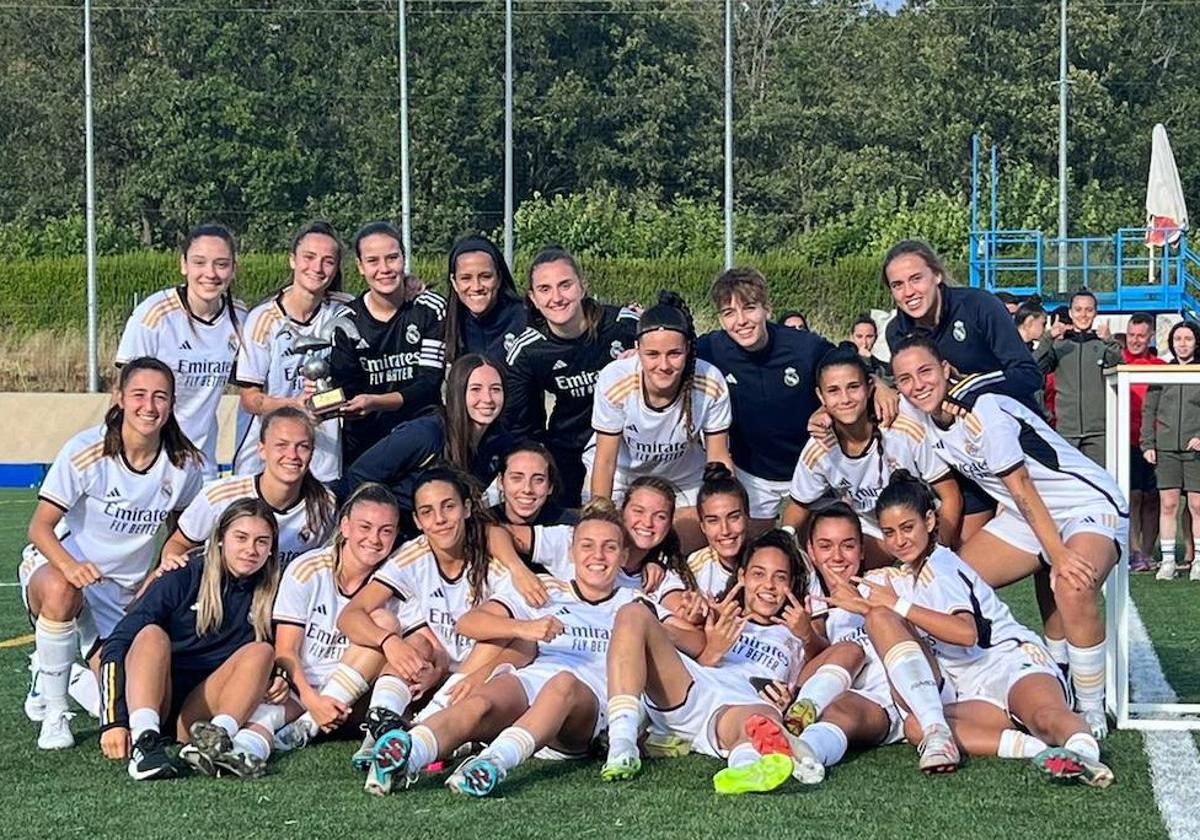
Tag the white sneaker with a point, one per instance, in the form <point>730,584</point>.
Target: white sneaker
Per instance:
<point>84,689</point>
<point>1166,570</point>
<point>296,734</point>
<point>1194,574</point>
<point>56,732</point>
<point>1097,722</point>
<point>35,703</point>
<point>938,751</point>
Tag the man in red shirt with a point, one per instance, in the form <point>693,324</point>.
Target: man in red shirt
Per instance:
<point>1143,490</point>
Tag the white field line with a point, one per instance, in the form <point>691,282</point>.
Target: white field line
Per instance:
<point>1174,760</point>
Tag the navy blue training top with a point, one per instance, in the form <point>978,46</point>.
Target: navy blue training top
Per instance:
<point>773,392</point>
<point>979,338</point>
<point>170,603</point>
<point>495,332</point>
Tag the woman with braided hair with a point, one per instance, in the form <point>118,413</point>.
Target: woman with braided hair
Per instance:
<point>661,411</point>
<point>863,457</point>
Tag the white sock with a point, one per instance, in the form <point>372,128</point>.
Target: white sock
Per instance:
<point>57,650</point>
<point>825,686</point>
<point>227,723</point>
<point>250,742</point>
<point>1195,548</point>
<point>743,755</point>
<point>391,693</point>
<point>511,747</point>
<point>143,720</point>
<point>424,748</point>
<point>913,680</point>
<point>1168,552</point>
<point>1058,651</point>
<point>827,740</point>
<point>1087,675</point>
<point>1085,745</point>
<point>1016,744</point>
<point>624,720</point>
<point>345,685</point>
<point>439,701</point>
<point>84,689</point>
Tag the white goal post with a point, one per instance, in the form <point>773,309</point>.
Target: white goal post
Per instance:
<point>1128,714</point>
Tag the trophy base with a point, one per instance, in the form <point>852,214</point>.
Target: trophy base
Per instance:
<point>326,402</point>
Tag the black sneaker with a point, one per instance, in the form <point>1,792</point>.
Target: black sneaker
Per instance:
<point>150,759</point>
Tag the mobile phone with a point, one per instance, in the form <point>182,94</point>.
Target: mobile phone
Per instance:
<point>760,683</point>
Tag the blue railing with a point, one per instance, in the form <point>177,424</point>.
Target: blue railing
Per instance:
<point>1118,269</point>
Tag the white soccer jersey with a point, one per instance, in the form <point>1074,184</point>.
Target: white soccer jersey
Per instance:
<point>429,599</point>
<point>551,550</point>
<point>764,650</point>
<point>949,585</point>
<point>712,578</point>
<point>296,537</point>
<point>113,512</point>
<point>825,467</point>
<point>654,441</point>
<point>1000,434</point>
<point>265,360</point>
<point>201,354</point>
<point>309,598</point>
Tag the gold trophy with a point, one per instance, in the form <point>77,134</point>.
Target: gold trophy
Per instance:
<point>327,397</point>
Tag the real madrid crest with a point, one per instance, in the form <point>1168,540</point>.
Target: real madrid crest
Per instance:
<point>959,331</point>
<point>616,349</point>
<point>790,377</point>
<point>509,341</point>
<point>412,335</point>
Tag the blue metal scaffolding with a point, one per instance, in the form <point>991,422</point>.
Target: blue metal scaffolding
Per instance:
<point>1116,268</point>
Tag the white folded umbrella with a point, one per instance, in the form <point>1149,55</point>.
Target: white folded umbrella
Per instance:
<point>1166,212</point>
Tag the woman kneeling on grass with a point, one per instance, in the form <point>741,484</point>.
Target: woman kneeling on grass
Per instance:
<point>194,652</point>
<point>1003,674</point>
<point>759,631</point>
<point>557,701</point>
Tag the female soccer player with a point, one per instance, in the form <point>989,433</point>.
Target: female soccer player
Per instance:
<point>304,509</point>
<point>195,329</point>
<point>267,369</point>
<point>194,654</point>
<point>558,700</point>
<point>661,412</point>
<point>1002,673</point>
<point>1054,502</point>
<point>1171,442</point>
<point>529,481</point>
<point>485,313</point>
<point>759,631</point>
<point>399,373</point>
<point>858,463</point>
<point>865,333</point>
<point>327,678</point>
<point>92,535</point>
<point>569,339</point>
<point>465,435</point>
<point>436,578</point>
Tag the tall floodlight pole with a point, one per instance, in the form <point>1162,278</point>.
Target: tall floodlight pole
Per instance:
<point>90,204</point>
<point>405,196</point>
<point>1062,147</point>
<point>508,132</point>
<point>728,134</point>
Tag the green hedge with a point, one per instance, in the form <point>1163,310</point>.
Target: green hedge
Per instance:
<point>52,293</point>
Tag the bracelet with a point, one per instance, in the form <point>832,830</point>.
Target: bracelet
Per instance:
<point>383,641</point>
<point>901,607</point>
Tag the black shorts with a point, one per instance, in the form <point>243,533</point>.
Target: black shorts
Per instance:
<point>183,682</point>
<point>975,500</point>
<point>1141,472</point>
<point>571,475</point>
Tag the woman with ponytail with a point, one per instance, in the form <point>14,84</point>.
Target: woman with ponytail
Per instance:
<point>660,412</point>
<point>193,658</point>
<point>857,463</point>
<point>196,330</point>
<point>485,312</point>
<point>303,507</point>
<point>92,535</point>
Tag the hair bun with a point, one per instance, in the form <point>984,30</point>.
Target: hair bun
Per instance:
<point>716,471</point>
<point>598,506</point>
<point>902,476</point>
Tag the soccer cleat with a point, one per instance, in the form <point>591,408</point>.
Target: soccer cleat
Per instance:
<point>664,745</point>
<point>768,773</point>
<point>1166,570</point>
<point>211,742</point>
<point>1068,767</point>
<point>1097,721</point>
<point>197,760</point>
<point>295,735</point>
<point>800,715</point>
<point>389,757</point>
<point>56,731</point>
<point>476,776</point>
<point>621,769</point>
<point>149,759</point>
<point>35,703</point>
<point>240,764</point>
<point>1140,562</point>
<point>938,751</point>
<point>768,737</point>
<point>378,721</point>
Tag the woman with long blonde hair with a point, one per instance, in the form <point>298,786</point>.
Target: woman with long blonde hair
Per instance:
<point>195,652</point>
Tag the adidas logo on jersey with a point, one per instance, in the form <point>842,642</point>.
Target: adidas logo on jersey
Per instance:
<point>320,610</point>
<point>563,611</point>
<point>187,345</point>
<point>439,593</point>
<point>731,379</point>
<point>113,493</point>
<point>559,365</point>
<point>631,428</point>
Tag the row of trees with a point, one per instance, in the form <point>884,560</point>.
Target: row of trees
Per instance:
<point>853,124</point>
